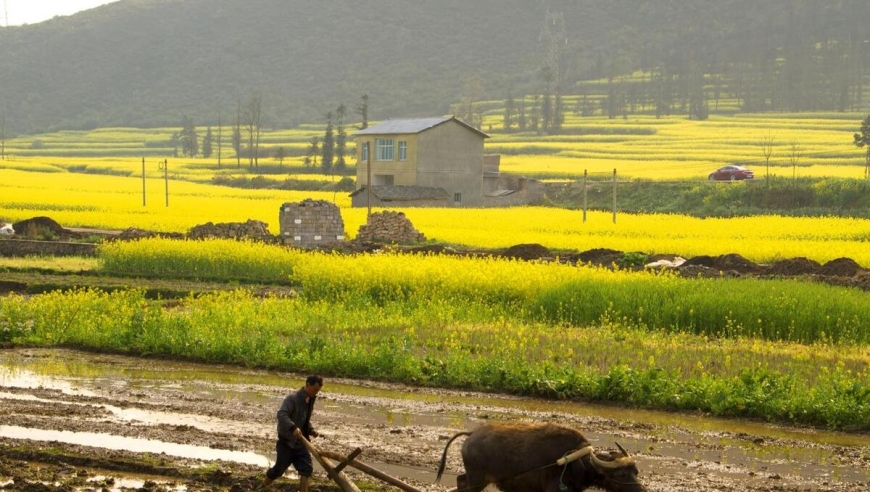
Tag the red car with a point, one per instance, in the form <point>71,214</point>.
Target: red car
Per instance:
<point>731,173</point>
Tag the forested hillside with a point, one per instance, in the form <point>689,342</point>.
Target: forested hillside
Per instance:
<point>151,62</point>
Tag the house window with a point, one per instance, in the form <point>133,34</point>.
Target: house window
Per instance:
<point>457,198</point>
<point>403,150</point>
<point>365,152</point>
<point>385,149</point>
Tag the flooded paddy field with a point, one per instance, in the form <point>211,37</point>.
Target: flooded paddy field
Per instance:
<point>76,421</point>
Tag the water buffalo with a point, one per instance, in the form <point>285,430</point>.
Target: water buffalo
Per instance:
<point>526,457</point>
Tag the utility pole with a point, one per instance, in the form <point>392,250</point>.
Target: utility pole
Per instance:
<point>369,182</point>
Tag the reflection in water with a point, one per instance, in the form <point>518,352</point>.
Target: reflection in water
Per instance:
<point>121,443</point>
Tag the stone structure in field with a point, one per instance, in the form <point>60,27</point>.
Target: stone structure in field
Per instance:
<point>389,227</point>
<point>311,223</point>
<point>252,229</point>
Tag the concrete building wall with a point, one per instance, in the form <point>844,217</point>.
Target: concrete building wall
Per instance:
<point>450,156</point>
<point>404,172</point>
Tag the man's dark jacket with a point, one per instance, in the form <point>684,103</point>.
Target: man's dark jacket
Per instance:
<point>295,412</point>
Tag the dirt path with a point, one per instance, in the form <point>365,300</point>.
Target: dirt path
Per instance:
<point>77,421</point>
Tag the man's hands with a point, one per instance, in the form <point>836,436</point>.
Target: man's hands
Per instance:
<point>297,433</point>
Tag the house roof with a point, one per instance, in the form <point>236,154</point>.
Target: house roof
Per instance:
<point>412,125</point>
<point>405,193</point>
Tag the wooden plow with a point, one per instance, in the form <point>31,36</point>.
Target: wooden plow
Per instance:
<point>334,470</point>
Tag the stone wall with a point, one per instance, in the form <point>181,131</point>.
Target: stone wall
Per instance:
<point>252,229</point>
<point>389,227</point>
<point>27,247</point>
<point>311,223</point>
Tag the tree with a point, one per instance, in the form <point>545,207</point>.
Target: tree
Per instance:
<point>362,109</point>
<point>253,115</point>
<point>340,139</point>
<point>794,156</point>
<point>328,147</point>
<point>237,134</point>
<point>467,110</point>
<point>312,152</point>
<point>863,140</point>
<point>767,150</point>
<point>280,155</point>
<point>535,114</point>
<point>187,138</point>
<point>521,115</point>
<point>207,143</point>
<point>558,113</point>
<point>509,113</point>
<point>2,135</point>
<point>219,139</point>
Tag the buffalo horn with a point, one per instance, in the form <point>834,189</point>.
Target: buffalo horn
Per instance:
<point>609,464</point>
<point>623,450</point>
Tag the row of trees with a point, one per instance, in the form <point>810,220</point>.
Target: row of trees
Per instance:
<point>332,149</point>
<point>247,129</point>
<point>801,65</point>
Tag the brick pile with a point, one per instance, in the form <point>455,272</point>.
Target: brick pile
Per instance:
<point>311,223</point>
<point>252,229</point>
<point>389,227</point>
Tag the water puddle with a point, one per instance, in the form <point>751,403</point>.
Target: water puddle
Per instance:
<point>724,447</point>
<point>120,443</point>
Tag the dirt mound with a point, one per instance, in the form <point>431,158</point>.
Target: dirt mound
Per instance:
<point>526,252</point>
<point>728,262</point>
<point>34,225</point>
<point>598,256</point>
<point>737,263</point>
<point>795,266</point>
<point>841,267</point>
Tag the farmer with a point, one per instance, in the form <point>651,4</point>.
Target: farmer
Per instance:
<point>294,424</point>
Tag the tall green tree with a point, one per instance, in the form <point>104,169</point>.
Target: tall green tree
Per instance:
<point>2,134</point>
<point>253,115</point>
<point>237,134</point>
<point>207,143</point>
<point>219,132</point>
<point>362,109</point>
<point>312,152</point>
<point>862,139</point>
<point>328,147</point>
<point>340,139</point>
<point>509,113</point>
<point>521,115</point>
<point>280,155</point>
<point>767,151</point>
<point>188,138</point>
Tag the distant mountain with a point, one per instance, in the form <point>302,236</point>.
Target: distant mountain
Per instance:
<point>150,62</point>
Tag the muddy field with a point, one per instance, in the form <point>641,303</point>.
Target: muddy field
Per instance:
<point>79,421</point>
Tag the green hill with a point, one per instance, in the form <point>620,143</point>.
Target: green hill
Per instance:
<point>149,62</point>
